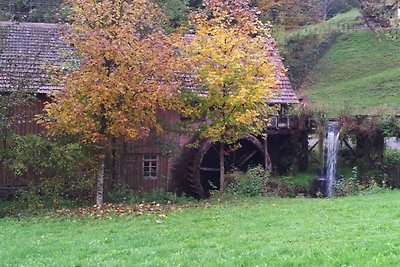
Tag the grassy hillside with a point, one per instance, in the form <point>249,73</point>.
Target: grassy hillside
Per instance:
<point>360,73</point>
<point>354,231</point>
<point>304,47</point>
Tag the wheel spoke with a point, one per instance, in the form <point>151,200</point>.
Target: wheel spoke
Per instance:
<point>245,158</point>
<point>209,169</point>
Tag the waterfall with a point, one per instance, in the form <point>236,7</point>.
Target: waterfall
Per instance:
<point>331,147</point>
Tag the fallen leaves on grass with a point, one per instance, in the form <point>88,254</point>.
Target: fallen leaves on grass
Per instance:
<point>109,210</point>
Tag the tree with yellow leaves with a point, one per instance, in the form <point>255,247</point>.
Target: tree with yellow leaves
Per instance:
<point>127,73</point>
<point>230,56</point>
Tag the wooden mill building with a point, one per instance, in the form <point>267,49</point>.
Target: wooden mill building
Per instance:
<point>27,50</point>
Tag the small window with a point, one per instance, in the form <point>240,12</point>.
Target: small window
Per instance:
<point>150,166</point>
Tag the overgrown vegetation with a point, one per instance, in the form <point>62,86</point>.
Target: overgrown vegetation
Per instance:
<point>299,184</point>
<point>122,194</point>
<point>251,183</point>
<point>59,169</point>
<point>33,10</point>
<point>392,167</point>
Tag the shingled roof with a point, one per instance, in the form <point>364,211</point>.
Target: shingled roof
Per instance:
<point>27,50</point>
<point>284,93</point>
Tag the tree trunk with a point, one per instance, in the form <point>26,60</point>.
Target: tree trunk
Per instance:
<point>222,169</point>
<point>100,181</point>
<point>267,163</point>
<point>113,162</point>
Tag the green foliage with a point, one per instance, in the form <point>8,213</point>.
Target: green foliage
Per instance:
<point>123,194</point>
<point>390,126</point>
<point>347,186</point>
<point>31,10</point>
<point>176,11</point>
<point>392,156</point>
<point>392,167</point>
<point>162,197</point>
<point>350,185</point>
<point>251,183</point>
<point>290,186</point>
<point>120,193</point>
<point>21,99</point>
<point>36,200</point>
<point>63,169</point>
<point>303,48</point>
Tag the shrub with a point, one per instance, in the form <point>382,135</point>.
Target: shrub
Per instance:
<point>392,167</point>
<point>350,185</point>
<point>251,183</point>
<point>347,185</point>
<point>120,193</point>
<point>60,169</point>
<point>290,186</point>
<point>162,197</point>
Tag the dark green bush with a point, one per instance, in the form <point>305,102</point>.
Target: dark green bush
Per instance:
<point>54,169</point>
<point>251,183</point>
<point>120,193</point>
<point>392,167</point>
<point>290,186</point>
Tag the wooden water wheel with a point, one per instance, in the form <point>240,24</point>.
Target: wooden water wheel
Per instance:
<point>197,171</point>
<point>206,169</point>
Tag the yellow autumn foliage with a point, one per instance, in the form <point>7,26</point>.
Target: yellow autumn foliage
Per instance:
<point>127,72</point>
<point>230,55</point>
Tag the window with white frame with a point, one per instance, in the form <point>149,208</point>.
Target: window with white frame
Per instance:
<point>150,166</point>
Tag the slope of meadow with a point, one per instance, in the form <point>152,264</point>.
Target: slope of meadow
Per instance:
<point>360,74</point>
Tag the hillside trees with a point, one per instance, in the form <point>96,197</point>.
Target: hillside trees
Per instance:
<point>127,74</point>
<point>291,13</point>
<point>378,13</point>
<point>176,11</point>
<point>229,53</point>
<point>294,13</point>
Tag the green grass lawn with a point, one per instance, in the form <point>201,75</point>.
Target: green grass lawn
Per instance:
<point>353,231</point>
<point>360,72</point>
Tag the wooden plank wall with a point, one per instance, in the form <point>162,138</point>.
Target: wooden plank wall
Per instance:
<point>129,157</point>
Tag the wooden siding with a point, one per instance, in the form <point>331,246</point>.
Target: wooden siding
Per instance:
<point>129,157</point>
<point>134,179</point>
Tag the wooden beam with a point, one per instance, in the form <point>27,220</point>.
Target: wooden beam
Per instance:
<point>267,159</point>
<point>316,143</point>
<point>246,158</point>
<point>315,160</point>
<point>348,145</point>
<point>209,169</point>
